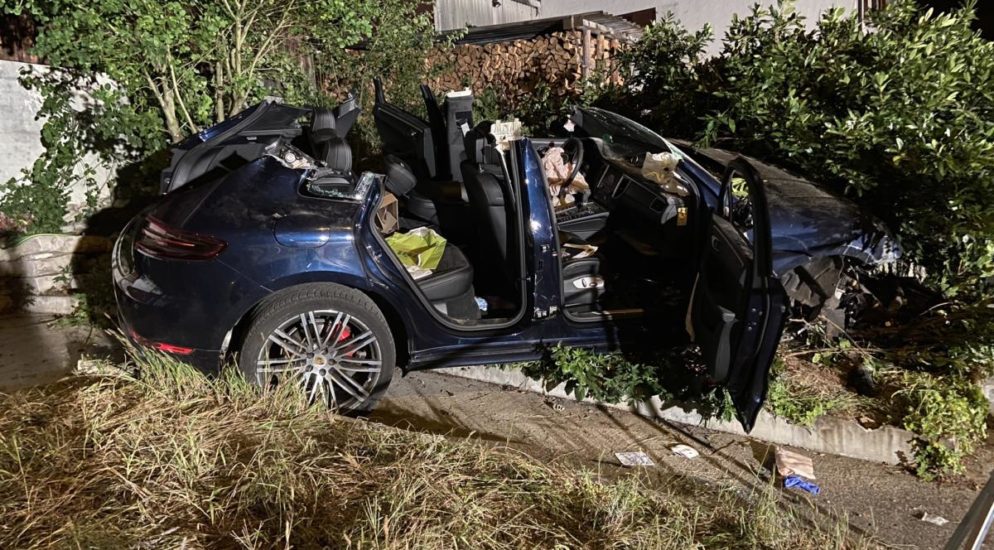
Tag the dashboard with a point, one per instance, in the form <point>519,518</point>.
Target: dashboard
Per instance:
<point>628,204</point>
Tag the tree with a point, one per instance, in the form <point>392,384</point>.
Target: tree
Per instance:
<point>157,70</point>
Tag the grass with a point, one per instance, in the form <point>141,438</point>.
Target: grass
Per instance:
<point>802,392</point>
<point>172,459</point>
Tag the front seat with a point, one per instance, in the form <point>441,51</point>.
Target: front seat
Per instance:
<point>489,199</point>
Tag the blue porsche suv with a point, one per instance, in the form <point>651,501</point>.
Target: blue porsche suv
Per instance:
<point>266,250</point>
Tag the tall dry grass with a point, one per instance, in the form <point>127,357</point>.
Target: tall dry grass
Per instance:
<point>172,459</point>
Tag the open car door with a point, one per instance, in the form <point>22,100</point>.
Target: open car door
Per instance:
<point>405,135</point>
<point>738,306</point>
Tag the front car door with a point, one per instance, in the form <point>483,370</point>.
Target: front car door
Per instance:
<point>738,306</point>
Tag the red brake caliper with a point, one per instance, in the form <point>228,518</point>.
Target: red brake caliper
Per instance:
<point>346,333</point>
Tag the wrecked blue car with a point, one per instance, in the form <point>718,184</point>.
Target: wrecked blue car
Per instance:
<point>473,244</point>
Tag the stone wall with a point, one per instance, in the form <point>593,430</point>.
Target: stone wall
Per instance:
<point>43,273</point>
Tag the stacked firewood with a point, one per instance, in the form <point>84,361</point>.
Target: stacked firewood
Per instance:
<point>514,69</point>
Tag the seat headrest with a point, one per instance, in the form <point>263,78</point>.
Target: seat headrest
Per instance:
<point>324,126</point>
<point>338,154</point>
<point>476,139</point>
<point>334,123</point>
<point>400,178</point>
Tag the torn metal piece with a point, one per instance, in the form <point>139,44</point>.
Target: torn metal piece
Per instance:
<point>290,156</point>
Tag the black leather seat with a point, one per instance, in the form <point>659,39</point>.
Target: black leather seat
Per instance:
<point>450,287</point>
<point>402,182</point>
<point>327,133</point>
<point>583,282</point>
<point>491,202</point>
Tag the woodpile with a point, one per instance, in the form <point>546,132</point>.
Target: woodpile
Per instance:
<point>515,69</point>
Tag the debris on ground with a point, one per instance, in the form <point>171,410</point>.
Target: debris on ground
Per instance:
<point>555,404</point>
<point>933,519</point>
<point>685,451</point>
<point>790,463</point>
<point>798,482</point>
<point>797,471</point>
<point>631,460</point>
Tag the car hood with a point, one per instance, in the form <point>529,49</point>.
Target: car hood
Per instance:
<point>807,220</point>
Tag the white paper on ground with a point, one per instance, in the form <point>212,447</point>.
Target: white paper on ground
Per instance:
<point>631,460</point>
<point>685,451</point>
<point>934,520</point>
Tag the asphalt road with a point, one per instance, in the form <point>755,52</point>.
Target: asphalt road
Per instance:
<point>881,501</point>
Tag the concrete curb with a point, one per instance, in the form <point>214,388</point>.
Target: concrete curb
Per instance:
<point>829,435</point>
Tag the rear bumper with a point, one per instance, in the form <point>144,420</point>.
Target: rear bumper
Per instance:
<point>206,360</point>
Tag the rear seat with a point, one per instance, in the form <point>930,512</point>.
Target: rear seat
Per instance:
<point>450,286</point>
<point>402,182</point>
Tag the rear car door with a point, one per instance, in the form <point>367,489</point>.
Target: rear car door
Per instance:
<point>738,306</point>
<point>405,135</point>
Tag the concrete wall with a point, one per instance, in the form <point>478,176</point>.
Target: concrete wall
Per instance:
<point>694,14</point>
<point>20,128</point>
<point>20,133</point>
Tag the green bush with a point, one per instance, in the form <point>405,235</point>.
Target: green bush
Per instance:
<point>185,65</point>
<point>662,78</point>
<point>615,378</point>
<point>949,415</point>
<point>899,115</point>
<point>608,378</point>
<point>896,113</point>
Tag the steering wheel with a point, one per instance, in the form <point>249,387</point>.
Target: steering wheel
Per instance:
<point>736,209</point>
<point>577,160</point>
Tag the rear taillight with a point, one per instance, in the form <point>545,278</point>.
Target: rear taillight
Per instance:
<point>159,240</point>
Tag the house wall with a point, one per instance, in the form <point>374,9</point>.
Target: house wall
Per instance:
<point>20,133</point>
<point>20,130</point>
<point>694,14</point>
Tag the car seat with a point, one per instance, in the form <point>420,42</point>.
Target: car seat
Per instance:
<point>328,130</point>
<point>449,288</point>
<point>401,181</point>
<point>491,203</point>
<point>583,282</point>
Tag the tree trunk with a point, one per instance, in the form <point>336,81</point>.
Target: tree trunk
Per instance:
<point>219,112</point>
<point>172,121</point>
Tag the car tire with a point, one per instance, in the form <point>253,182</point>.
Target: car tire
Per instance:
<point>331,340</point>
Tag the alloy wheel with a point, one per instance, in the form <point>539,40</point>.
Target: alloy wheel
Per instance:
<point>334,358</point>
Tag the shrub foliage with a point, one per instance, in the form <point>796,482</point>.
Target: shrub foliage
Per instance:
<point>896,112</point>
<point>158,71</point>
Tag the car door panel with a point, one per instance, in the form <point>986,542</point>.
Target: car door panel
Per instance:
<point>404,135</point>
<point>720,286</point>
<point>738,306</point>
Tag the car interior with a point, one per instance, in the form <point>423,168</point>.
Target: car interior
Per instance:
<point>625,243</point>
<point>624,240</point>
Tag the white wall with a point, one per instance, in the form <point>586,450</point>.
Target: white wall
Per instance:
<point>694,14</point>
<point>20,133</point>
<point>20,129</point>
